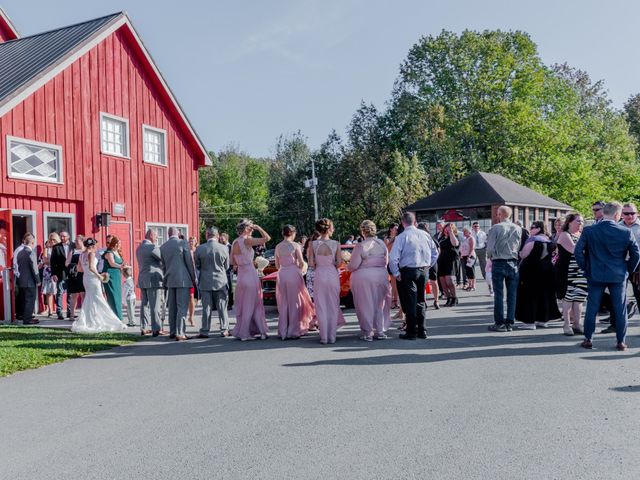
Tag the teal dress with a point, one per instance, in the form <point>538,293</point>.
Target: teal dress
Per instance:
<point>113,288</point>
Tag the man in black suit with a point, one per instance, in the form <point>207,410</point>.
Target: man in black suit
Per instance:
<point>59,271</point>
<point>28,279</point>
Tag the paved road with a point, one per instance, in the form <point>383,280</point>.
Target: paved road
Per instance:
<point>465,404</point>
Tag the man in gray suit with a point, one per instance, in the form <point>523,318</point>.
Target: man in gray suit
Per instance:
<point>212,261</point>
<point>28,279</point>
<point>179,277</point>
<point>150,278</point>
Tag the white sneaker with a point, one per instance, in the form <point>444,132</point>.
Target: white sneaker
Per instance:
<point>542,324</point>
<point>526,326</point>
<point>367,338</point>
<point>381,336</point>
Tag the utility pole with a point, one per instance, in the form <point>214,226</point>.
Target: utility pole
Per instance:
<point>312,185</point>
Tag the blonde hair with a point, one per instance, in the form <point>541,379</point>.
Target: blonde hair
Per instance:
<point>368,228</point>
<point>505,210</point>
<point>55,237</point>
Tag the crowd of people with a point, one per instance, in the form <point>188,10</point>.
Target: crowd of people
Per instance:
<point>531,270</point>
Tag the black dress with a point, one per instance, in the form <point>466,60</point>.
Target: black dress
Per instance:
<point>74,278</point>
<point>448,261</point>
<point>536,298</point>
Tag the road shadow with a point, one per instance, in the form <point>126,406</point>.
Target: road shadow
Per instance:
<point>628,388</point>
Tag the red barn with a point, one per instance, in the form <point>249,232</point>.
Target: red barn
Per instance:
<point>88,126</point>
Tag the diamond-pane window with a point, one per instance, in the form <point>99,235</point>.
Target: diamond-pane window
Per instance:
<point>153,148</point>
<point>114,135</point>
<point>34,160</point>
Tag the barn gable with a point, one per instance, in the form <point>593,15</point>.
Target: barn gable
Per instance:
<point>26,65</point>
<point>7,30</point>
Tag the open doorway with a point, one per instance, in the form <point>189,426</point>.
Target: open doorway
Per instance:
<point>22,221</point>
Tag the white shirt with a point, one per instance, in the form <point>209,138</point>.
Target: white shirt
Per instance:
<point>128,290</point>
<point>16,273</point>
<point>413,248</point>
<point>480,237</point>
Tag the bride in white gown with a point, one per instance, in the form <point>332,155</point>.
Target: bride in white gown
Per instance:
<point>96,316</point>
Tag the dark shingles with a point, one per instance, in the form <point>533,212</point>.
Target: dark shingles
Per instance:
<point>481,189</point>
<point>25,59</point>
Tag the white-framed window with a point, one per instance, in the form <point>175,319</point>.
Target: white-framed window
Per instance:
<point>59,222</point>
<point>154,145</point>
<point>30,160</point>
<point>162,229</point>
<point>114,135</point>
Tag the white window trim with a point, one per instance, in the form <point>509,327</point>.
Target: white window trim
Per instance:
<point>164,147</point>
<point>72,216</point>
<point>127,135</point>
<point>149,225</point>
<point>17,176</point>
<point>34,222</point>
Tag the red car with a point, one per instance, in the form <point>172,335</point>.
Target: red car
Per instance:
<point>346,298</point>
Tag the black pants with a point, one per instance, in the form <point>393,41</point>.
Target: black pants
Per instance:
<point>230,288</point>
<point>411,291</point>
<point>27,300</point>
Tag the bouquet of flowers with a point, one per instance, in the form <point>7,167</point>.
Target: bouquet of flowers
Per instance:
<point>346,256</point>
<point>104,277</point>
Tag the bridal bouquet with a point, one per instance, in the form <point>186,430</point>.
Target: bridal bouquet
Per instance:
<point>104,277</point>
<point>346,256</point>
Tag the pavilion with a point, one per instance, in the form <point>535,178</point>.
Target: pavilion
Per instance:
<point>477,198</point>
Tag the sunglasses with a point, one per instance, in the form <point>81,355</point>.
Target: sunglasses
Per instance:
<point>596,209</point>
<point>629,213</point>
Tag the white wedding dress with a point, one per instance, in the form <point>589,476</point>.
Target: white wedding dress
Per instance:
<point>96,316</point>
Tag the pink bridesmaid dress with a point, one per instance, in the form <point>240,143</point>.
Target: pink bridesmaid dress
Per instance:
<point>326,292</point>
<point>295,307</point>
<point>371,289</point>
<point>248,304</point>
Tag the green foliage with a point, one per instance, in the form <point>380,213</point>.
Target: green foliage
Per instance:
<point>486,102</point>
<point>233,188</point>
<point>462,103</point>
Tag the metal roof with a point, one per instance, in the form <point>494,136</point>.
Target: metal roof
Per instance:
<point>483,189</point>
<point>26,58</point>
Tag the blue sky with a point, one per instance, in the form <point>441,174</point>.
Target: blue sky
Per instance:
<point>248,71</point>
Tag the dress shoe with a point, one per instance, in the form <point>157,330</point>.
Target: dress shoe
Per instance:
<point>33,321</point>
<point>181,338</point>
<point>173,336</point>
<point>202,335</point>
<point>609,329</point>
<point>621,346</point>
<point>449,302</point>
<point>405,336</point>
<point>436,305</point>
<point>422,335</point>
<point>60,317</point>
<point>587,344</point>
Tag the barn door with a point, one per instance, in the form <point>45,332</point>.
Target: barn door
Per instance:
<point>6,248</point>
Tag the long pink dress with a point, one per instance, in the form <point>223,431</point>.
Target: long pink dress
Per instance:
<point>295,307</point>
<point>326,292</point>
<point>248,304</point>
<point>371,288</point>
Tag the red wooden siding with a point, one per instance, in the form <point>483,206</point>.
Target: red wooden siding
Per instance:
<point>113,79</point>
<point>5,33</point>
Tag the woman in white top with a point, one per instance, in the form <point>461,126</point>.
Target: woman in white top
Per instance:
<point>467,252</point>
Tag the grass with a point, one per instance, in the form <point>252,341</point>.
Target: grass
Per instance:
<point>22,348</point>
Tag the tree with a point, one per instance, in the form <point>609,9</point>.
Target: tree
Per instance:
<point>632,115</point>
<point>484,101</point>
<point>233,188</point>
